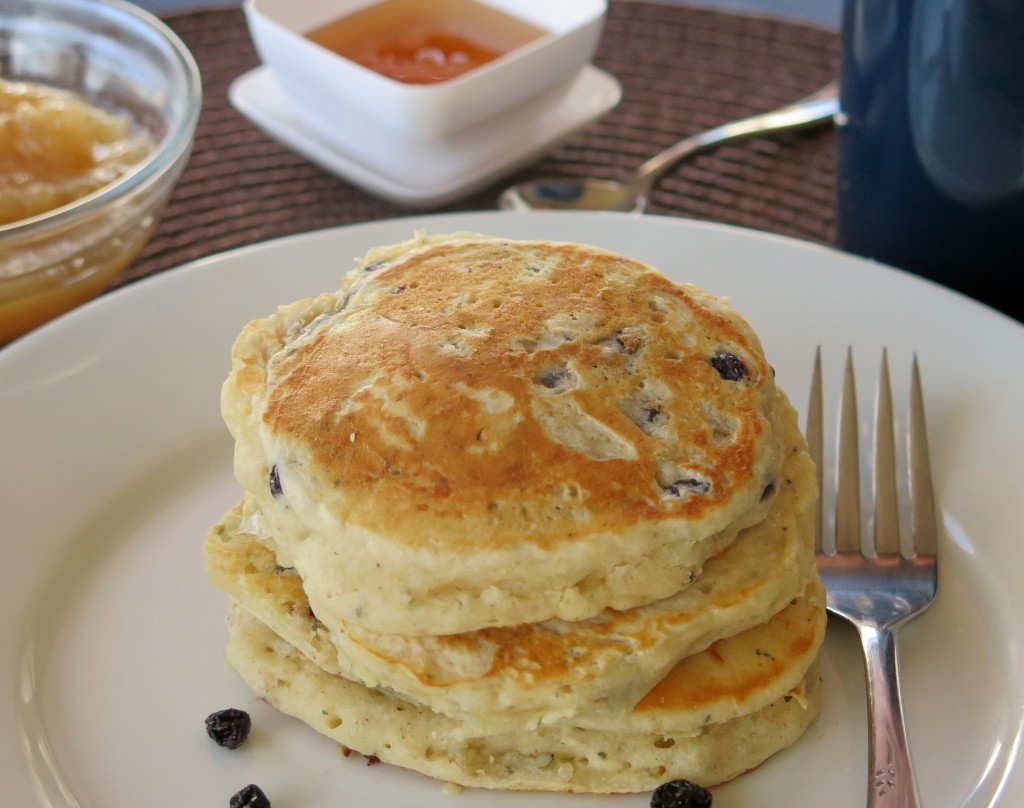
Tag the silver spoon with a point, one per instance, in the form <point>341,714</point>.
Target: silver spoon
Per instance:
<point>582,193</point>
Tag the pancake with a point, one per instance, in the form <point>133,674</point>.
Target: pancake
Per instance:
<point>736,676</point>
<point>561,757</point>
<point>536,673</point>
<point>475,432</point>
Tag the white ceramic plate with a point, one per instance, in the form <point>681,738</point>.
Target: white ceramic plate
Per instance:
<point>115,462</point>
<point>427,173</point>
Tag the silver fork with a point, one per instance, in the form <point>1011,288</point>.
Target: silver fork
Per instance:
<point>870,581</point>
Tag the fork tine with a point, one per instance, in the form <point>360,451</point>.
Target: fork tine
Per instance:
<point>922,496</point>
<point>814,443</point>
<point>887,521</point>
<point>848,483</point>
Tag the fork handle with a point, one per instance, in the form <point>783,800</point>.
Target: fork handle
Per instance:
<point>891,779</point>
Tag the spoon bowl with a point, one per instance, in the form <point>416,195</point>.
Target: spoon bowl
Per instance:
<point>590,193</point>
<point>570,193</point>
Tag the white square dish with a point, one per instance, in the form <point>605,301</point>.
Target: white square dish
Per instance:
<point>431,173</point>
<point>332,92</point>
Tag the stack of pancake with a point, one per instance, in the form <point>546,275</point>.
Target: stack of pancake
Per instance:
<point>521,515</point>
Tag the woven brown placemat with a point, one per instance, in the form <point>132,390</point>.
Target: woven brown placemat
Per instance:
<point>682,69</point>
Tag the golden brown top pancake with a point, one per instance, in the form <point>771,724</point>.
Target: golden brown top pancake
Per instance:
<point>476,414</point>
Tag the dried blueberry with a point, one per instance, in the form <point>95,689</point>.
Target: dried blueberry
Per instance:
<point>555,378</point>
<point>251,796</point>
<point>229,727</point>
<point>654,412</point>
<point>275,482</point>
<point>680,794</point>
<point>697,485</point>
<point>729,366</point>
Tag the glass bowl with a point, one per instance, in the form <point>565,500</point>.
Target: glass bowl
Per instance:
<point>121,58</point>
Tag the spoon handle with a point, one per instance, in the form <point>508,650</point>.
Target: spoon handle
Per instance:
<point>819,107</point>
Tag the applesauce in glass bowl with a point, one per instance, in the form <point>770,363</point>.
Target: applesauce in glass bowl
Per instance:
<point>99,163</point>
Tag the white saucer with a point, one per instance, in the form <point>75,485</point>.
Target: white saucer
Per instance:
<point>427,173</point>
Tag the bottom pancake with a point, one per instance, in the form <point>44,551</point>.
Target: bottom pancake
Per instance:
<point>560,757</point>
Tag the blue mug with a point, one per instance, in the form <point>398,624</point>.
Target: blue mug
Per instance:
<point>931,142</point>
